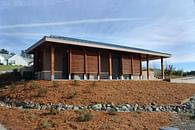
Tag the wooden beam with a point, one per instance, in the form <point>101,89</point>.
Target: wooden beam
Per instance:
<point>162,68</point>
<point>99,62</point>
<point>52,62</point>
<point>85,64</point>
<point>69,63</point>
<point>121,64</point>
<point>148,68</point>
<point>110,65</point>
<point>140,65</point>
<point>132,68</point>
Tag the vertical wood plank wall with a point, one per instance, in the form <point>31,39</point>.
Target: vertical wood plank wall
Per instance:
<point>84,61</point>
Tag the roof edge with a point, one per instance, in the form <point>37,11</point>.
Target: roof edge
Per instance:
<point>87,43</point>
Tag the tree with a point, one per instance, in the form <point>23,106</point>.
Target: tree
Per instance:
<point>4,51</point>
<point>23,53</point>
<point>12,53</point>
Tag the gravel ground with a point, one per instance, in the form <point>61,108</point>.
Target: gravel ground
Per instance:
<point>184,80</point>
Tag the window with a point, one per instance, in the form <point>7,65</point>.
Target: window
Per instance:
<point>13,62</point>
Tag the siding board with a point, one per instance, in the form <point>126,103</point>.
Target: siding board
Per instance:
<point>92,62</point>
<point>126,64</point>
<point>77,61</point>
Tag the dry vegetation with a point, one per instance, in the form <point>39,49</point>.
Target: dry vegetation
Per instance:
<point>89,92</point>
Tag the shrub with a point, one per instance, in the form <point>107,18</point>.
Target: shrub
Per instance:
<point>42,92</point>
<point>75,83</point>
<point>34,85</point>
<point>71,94</point>
<point>84,116</point>
<point>55,84</point>
<point>45,124</point>
<point>53,111</point>
<point>93,83</point>
<point>13,87</point>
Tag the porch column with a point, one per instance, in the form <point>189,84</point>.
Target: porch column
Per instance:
<point>69,63</point>
<point>148,68</point>
<point>85,65</point>
<point>99,65</point>
<point>132,67</point>
<point>121,63</point>
<point>162,68</point>
<point>52,62</point>
<point>110,65</point>
<point>140,67</point>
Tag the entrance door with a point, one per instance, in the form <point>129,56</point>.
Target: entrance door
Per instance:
<point>115,66</point>
<point>65,65</point>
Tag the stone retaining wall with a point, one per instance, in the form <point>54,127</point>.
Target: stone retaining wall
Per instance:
<point>187,107</point>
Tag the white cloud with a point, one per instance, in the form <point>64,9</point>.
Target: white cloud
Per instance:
<point>85,21</point>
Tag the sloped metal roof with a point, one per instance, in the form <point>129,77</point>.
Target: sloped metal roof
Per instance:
<point>102,45</point>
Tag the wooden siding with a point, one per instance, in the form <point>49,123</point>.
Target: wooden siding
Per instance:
<point>92,62</point>
<point>77,63</point>
<point>126,64</point>
<point>136,64</point>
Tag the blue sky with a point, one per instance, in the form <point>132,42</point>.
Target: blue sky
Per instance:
<point>161,25</point>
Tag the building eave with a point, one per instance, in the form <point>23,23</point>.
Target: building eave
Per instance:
<point>86,43</point>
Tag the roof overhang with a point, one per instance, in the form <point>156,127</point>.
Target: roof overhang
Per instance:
<point>95,45</point>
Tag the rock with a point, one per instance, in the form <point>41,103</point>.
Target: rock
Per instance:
<point>75,108</point>
<point>168,128</point>
<point>97,107</point>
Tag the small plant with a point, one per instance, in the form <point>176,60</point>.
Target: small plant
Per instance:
<point>55,84</point>
<point>42,92</point>
<point>84,116</point>
<point>33,117</point>
<point>112,112</point>
<point>13,87</point>
<point>71,94</point>
<point>45,124</point>
<point>105,126</point>
<point>75,83</point>
<point>34,85</point>
<point>53,111</point>
<point>93,84</point>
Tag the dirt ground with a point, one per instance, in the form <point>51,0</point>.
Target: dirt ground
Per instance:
<point>90,92</point>
<point>16,119</point>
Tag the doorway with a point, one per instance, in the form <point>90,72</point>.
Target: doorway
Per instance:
<point>65,64</point>
<point>115,66</point>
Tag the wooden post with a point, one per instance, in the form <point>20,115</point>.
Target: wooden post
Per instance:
<point>99,65</point>
<point>110,65</point>
<point>52,62</point>
<point>85,65</point>
<point>132,68</point>
<point>121,67</point>
<point>148,68</point>
<point>162,68</point>
<point>140,67</point>
<point>69,63</point>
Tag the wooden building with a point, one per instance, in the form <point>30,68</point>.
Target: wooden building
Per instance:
<point>68,58</point>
